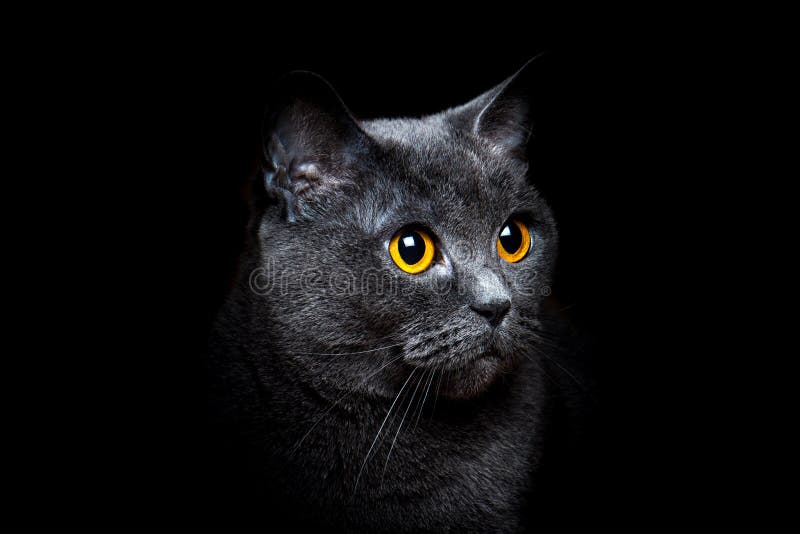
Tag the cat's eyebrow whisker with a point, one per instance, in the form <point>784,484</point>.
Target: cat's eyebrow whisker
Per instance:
<point>337,401</point>
<point>360,472</point>
<point>400,426</point>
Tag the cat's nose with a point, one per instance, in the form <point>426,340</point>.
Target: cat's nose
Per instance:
<point>489,297</point>
<point>493,310</point>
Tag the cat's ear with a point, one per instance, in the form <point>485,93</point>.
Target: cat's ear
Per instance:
<point>309,137</point>
<point>502,115</point>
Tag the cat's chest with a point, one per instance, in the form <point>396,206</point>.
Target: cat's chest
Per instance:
<point>431,465</point>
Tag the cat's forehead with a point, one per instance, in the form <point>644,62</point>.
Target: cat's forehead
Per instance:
<point>447,172</point>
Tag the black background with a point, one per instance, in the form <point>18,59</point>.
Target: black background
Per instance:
<point>167,106</point>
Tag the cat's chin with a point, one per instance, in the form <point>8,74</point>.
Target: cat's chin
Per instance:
<point>474,377</point>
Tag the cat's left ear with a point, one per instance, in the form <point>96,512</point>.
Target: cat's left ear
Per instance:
<point>310,140</point>
<point>502,115</point>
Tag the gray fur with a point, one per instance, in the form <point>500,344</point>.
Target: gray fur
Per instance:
<point>284,357</point>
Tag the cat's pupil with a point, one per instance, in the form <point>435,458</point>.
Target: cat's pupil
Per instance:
<point>411,247</point>
<point>511,238</point>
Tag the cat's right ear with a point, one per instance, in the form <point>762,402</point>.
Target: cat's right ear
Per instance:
<point>309,137</point>
<point>502,115</point>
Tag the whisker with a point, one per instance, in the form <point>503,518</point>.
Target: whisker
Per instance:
<point>391,422</point>
<point>567,372</point>
<point>438,387</point>
<point>550,344</point>
<point>543,336</point>
<point>346,353</point>
<point>447,381</point>
<point>425,378</point>
<point>358,478</point>
<point>337,401</point>
<point>400,427</point>
<point>541,368</point>
<point>427,389</point>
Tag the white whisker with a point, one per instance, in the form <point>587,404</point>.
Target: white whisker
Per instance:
<point>358,478</point>
<point>438,387</point>
<point>347,353</point>
<point>332,406</point>
<point>427,389</point>
<point>569,374</point>
<point>400,426</point>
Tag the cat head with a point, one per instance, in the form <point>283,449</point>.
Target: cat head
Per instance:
<point>396,247</point>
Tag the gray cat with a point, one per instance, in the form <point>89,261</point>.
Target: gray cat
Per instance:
<point>382,359</point>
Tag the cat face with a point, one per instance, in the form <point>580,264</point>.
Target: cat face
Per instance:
<point>400,247</point>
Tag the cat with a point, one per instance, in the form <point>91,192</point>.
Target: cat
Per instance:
<point>382,362</point>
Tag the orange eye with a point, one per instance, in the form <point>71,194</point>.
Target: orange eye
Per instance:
<point>412,250</point>
<point>514,241</point>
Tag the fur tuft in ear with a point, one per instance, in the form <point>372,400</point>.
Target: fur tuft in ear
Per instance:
<point>502,115</point>
<point>309,140</point>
